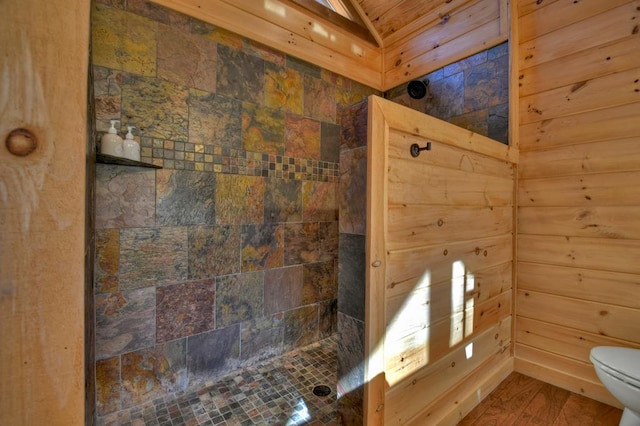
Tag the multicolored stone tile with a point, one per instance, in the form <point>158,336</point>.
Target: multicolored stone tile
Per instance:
<point>476,121</point>
<point>350,369</point>
<point>240,75</point>
<point>107,95</point>
<point>302,137</point>
<point>125,197</point>
<point>263,129</point>
<point>239,298</point>
<point>282,289</point>
<point>185,197</point>
<point>123,41</point>
<point>107,385</point>
<point>184,309</point>
<point>159,13</point>
<point>446,97</point>
<point>154,372</point>
<point>318,282</point>
<point>262,51</point>
<point>330,142</point>
<point>157,108</point>
<point>262,247</point>
<point>353,124</point>
<point>214,251</point>
<point>214,120</point>
<point>327,318</point>
<point>300,327</point>
<point>319,99</point>
<point>239,199</point>
<point>107,260</point>
<point>217,34</point>
<point>125,321</point>
<point>283,89</point>
<point>213,353</point>
<point>482,87</point>
<point>466,63</point>
<point>351,276</point>
<point>283,201</point>
<point>262,338</point>
<point>303,67</point>
<point>319,202</point>
<point>186,59</point>
<point>152,256</point>
<point>498,123</point>
<point>352,201</point>
<point>310,242</point>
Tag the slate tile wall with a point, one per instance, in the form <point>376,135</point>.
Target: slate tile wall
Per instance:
<point>472,93</point>
<point>227,255</point>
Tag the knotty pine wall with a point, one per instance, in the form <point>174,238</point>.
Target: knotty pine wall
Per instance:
<point>579,187</point>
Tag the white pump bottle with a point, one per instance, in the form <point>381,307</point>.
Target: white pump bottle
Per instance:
<point>131,147</point>
<point>111,143</point>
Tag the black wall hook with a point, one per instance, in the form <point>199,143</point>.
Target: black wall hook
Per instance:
<point>415,149</point>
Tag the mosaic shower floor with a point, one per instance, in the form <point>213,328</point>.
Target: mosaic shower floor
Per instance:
<point>277,392</point>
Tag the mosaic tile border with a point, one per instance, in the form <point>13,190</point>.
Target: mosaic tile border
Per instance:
<point>209,158</point>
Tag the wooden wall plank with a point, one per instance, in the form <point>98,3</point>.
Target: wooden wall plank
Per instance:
<point>431,57</point>
<point>615,288</point>
<point>605,124</point>
<point>474,15</point>
<point>559,378</point>
<point>436,263</point>
<point>412,343</point>
<point>621,88</point>
<point>409,398</point>
<point>567,342</point>
<point>443,186</point>
<point>448,156</point>
<point>622,155</point>
<point>526,7</point>
<point>605,254</point>
<point>596,222</point>
<point>560,14</point>
<point>611,25</point>
<point>572,367</point>
<point>598,318</point>
<point>425,16</point>
<point>414,225</point>
<point>454,405</point>
<point>615,56</point>
<point>602,189</point>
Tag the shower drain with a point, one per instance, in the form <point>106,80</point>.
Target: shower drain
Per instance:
<point>321,390</point>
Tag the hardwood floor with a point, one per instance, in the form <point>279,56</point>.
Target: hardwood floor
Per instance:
<point>522,400</point>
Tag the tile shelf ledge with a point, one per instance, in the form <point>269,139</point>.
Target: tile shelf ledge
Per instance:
<point>110,159</point>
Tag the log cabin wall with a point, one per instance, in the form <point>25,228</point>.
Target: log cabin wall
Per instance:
<point>579,174</point>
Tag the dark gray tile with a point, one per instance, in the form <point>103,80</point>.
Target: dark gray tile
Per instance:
<point>351,276</point>
<point>213,353</point>
<point>185,197</point>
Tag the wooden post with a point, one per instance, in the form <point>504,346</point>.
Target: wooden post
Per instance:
<point>44,51</point>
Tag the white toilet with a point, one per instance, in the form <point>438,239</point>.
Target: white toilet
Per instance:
<point>619,370</point>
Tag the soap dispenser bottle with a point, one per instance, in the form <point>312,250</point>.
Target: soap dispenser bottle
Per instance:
<point>111,143</point>
<point>131,147</point>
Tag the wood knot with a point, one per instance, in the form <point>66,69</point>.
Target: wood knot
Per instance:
<point>21,142</point>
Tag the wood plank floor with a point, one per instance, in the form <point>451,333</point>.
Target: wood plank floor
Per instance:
<point>522,400</point>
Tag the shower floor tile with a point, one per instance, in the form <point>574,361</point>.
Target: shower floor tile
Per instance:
<point>276,392</point>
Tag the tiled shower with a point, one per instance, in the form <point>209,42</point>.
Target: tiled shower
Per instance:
<point>227,256</point>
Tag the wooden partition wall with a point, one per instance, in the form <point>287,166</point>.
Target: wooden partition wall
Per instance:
<point>439,267</point>
<point>579,188</point>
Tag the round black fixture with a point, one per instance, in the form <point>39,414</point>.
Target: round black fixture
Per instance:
<point>321,390</point>
<point>417,88</point>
